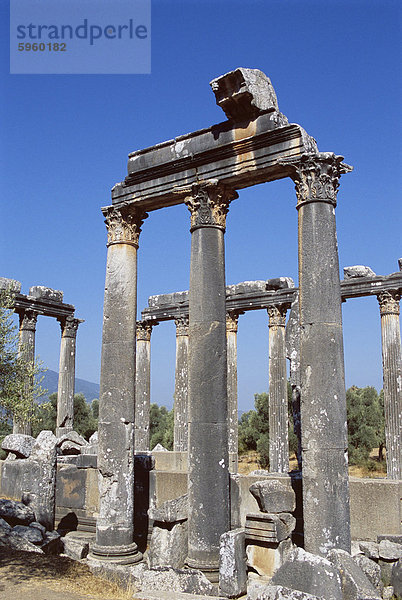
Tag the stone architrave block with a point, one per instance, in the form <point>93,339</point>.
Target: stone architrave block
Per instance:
<point>267,527</point>
<point>396,579</point>
<point>274,496</point>
<point>267,558</point>
<point>31,534</point>
<point>190,581</point>
<point>371,569</point>
<point>19,444</point>
<point>16,513</point>
<point>390,550</point>
<point>245,287</point>
<point>169,545</point>
<point>278,592</point>
<point>311,574</point>
<point>279,283</point>
<point>355,583</point>
<point>170,511</point>
<point>232,564</point>
<point>41,292</point>
<point>357,271</point>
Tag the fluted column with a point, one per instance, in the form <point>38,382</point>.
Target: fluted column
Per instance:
<point>323,397</point>
<point>232,318</point>
<point>114,528</point>
<point>392,380</point>
<point>143,385</point>
<point>65,390</point>
<point>278,393</point>
<point>181,386</point>
<point>208,489</point>
<point>26,350</point>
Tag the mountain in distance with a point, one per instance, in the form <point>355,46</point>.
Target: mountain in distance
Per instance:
<point>50,382</point>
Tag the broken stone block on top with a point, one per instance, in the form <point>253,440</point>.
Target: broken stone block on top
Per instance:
<point>274,496</point>
<point>42,292</point>
<point>279,283</point>
<point>170,511</point>
<point>357,271</point>
<point>18,444</point>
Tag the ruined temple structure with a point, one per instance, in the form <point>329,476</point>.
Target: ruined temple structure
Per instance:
<point>206,171</point>
<point>44,301</point>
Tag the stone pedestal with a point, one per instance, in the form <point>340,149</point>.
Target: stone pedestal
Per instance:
<point>392,378</point>
<point>180,443</point>
<point>65,391</point>
<point>233,418</point>
<point>114,528</point>
<point>142,385</point>
<point>26,350</point>
<point>208,484</point>
<point>323,397</point>
<point>278,392</point>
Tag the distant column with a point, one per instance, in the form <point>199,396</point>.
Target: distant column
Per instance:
<point>65,391</point>
<point>278,393</point>
<point>208,457</point>
<point>292,338</point>
<point>232,318</point>
<point>392,378</point>
<point>181,386</point>
<point>115,523</point>
<point>143,385</point>
<point>323,396</point>
<point>26,350</point>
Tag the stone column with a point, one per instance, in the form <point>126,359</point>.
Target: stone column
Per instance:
<point>114,527</point>
<point>65,391</point>
<point>392,378</point>
<point>26,350</point>
<point>142,385</point>
<point>208,486</point>
<point>232,318</point>
<point>292,338</point>
<point>278,392</point>
<point>323,397</point>
<point>181,386</point>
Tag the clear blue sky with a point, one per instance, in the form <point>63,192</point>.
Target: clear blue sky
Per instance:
<point>335,66</point>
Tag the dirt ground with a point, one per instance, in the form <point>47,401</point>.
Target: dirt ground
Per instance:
<point>31,576</point>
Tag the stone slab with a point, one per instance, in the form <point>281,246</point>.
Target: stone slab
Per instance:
<point>176,596</point>
<point>40,291</point>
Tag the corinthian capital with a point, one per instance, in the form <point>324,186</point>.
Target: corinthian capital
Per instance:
<point>144,330</point>
<point>316,176</point>
<point>208,204</point>
<point>389,302</point>
<point>28,320</point>
<point>277,315</point>
<point>232,319</point>
<point>181,325</point>
<point>69,326</point>
<point>123,224</point>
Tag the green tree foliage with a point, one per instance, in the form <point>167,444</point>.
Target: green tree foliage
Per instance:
<point>85,416</point>
<point>365,417</point>
<point>19,378</point>
<point>161,423</point>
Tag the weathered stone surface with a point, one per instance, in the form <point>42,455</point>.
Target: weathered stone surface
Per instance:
<point>309,573</point>
<point>244,93</point>
<point>232,564</point>
<point>39,291</point>
<point>260,472</point>
<point>388,592</point>
<point>44,447</point>
<point>370,549</point>
<point>13,541</point>
<point>10,284</point>
<point>396,578</point>
<point>4,525</point>
<point>76,546</point>
<point>245,287</point>
<point>16,513</point>
<point>274,496</point>
<point>68,447</point>
<point>171,511</point>
<point>278,592</point>
<point>32,535</point>
<point>279,283</point>
<point>389,550</point>
<point>177,580</point>
<point>19,444</point>
<point>355,584</point>
<point>357,271</point>
<point>52,543</point>
<point>371,569</point>
<point>355,548</point>
<point>37,525</point>
<point>267,558</point>
<point>269,527</point>
<point>94,439</point>
<point>396,538</point>
<point>71,436</point>
<point>159,448</point>
<point>169,546</point>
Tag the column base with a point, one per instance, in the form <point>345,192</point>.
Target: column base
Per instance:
<point>211,571</point>
<point>118,555</point>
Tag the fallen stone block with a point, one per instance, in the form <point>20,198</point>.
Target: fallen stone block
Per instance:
<point>355,584</point>
<point>388,593</point>
<point>170,511</point>
<point>370,549</point>
<point>357,271</point>
<point>68,447</point>
<point>279,283</point>
<point>4,525</point>
<point>311,574</point>
<point>76,546</point>
<point>266,527</point>
<point>396,579</point>
<point>177,580</point>
<point>396,538</point>
<point>371,569</point>
<point>13,541</point>
<point>44,447</point>
<point>52,543</point>
<point>267,558</point>
<point>169,545</point>
<point>18,444</point>
<point>232,564</point>
<point>278,592</point>
<point>37,525</point>
<point>274,496</point>
<point>16,513</point>
<point>389,550</point>
<point>71,436</point>
<point>31,534</point>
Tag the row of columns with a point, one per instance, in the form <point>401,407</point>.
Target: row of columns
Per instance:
<point>65,394</point>
<point>323,398</point>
